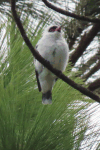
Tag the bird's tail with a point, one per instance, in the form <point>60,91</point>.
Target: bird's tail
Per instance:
<point>47,98</point>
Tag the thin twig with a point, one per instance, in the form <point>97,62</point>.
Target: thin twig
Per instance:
<point>67,13</point>
<point>46,63</point>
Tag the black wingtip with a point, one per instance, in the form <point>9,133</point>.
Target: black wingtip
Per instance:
<point>38,82</point>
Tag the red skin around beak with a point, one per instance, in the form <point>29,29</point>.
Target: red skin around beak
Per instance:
<point>58,29</point>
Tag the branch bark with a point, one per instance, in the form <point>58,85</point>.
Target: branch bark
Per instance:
<point>94,85</point>
<point>85,41</point>
<point>67,13</point>
<point>46,63</point>
<point>74,29</point>
<point>91,61</point>
<point>92,71</point>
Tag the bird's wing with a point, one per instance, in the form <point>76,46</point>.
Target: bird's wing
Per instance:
<point>36,50</point>
<point>37,75</point>
<point>38,82</point>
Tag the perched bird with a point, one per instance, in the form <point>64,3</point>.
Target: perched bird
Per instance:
<point>52,47</point>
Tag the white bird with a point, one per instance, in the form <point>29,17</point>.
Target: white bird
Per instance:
<point>52,47</point>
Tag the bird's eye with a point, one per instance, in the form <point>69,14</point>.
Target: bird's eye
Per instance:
<point>52,29</point>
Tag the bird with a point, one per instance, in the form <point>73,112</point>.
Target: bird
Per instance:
<point>53,47</point>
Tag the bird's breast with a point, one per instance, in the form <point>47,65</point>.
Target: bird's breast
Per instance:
<point>56,54</point>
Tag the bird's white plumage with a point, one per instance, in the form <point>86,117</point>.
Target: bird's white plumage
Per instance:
<point>52,47</point>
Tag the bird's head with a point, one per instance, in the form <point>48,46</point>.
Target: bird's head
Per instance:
<point>53,31</point>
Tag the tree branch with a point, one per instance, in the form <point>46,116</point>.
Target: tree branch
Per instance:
<point>91,61</point>
<point>67,13</point>
<point>92,71</point>
<point>84,42</point>
<point>74,29</point>
<point>45,62</point>
<point>94,85</point>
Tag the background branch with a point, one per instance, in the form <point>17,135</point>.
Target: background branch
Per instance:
<point>87,65</point>
<point>92,71</point>
<point>67,13</point>
<point>84,42</point>
<point>45,62</point>
<point>94,85</point>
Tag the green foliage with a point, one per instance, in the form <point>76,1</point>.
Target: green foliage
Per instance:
<point>26,124</point>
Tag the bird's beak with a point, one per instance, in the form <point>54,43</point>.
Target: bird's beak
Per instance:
<point>58,29</point>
